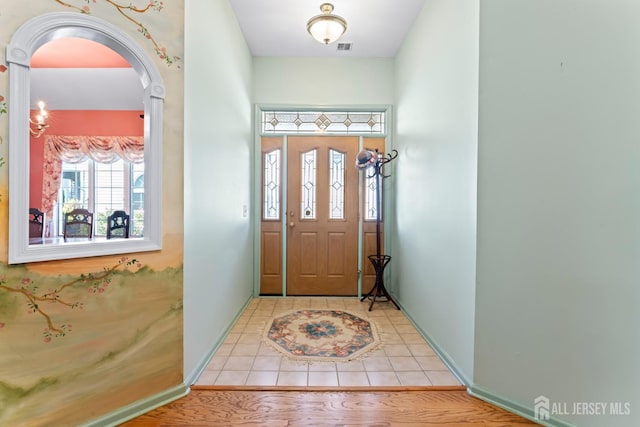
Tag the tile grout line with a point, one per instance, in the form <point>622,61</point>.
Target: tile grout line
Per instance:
<point>256,313</point>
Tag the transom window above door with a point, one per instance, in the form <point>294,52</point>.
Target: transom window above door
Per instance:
<point>327,122</point>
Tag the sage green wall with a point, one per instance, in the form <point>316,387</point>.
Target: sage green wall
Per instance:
<point>323,81</point>
<point>558,300</point>
<point>218,244</point>
<point>436,136</point>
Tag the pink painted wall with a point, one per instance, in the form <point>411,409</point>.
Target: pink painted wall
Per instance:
<point>75,122</point>
<point>72,52</point>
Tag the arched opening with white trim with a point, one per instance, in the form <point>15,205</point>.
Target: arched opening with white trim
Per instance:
<point>25,41</point>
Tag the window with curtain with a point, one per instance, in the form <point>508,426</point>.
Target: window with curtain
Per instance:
<point>100,173</point>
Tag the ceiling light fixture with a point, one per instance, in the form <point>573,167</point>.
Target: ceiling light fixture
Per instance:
<point>40,123</point>
<point>326,28</point>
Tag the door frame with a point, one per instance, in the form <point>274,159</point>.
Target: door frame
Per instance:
<point>256,188</point>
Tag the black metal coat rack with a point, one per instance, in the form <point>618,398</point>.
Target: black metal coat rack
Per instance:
<point>379,260</point>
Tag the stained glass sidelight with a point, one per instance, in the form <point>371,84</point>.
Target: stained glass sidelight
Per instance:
<point>271,190</point>
<point>308,187</point>
<point>370,207</point>
<point>336,184</point>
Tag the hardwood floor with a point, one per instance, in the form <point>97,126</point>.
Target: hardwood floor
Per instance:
<point>217,407</point>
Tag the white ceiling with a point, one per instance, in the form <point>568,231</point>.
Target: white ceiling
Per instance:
<point>87,88</point>
<point>376,28</point>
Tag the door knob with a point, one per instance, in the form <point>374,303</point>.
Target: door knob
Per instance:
<point>292,224</point>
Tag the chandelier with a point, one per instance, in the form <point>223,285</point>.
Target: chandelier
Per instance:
<point>326,28</point>
<point>39,125</point>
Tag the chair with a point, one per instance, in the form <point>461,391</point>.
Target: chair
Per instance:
<point>78,223</point>
<point>36,223</point>
<point>118,225</point>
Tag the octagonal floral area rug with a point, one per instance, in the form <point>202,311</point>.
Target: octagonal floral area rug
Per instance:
<point>322,335</point>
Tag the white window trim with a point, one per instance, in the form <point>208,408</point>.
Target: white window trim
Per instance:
<point>127,195</point>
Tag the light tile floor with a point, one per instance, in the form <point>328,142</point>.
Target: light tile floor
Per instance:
<point>404,359</point>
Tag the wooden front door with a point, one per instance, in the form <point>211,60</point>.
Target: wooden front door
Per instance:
<point>322,216</point>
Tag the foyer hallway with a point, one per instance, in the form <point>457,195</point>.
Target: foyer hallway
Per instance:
<point>404,359</point>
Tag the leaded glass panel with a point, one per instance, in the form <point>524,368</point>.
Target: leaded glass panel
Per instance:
<point>271,185</point>
<point>328,122</point>
<point>370,205</point>
<point>336,184</point>
<point>308,187</point>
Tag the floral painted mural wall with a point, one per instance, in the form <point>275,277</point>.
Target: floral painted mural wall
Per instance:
<point>82,338</point>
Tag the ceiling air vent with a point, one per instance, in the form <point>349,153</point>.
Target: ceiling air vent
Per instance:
<point>344,46</point>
